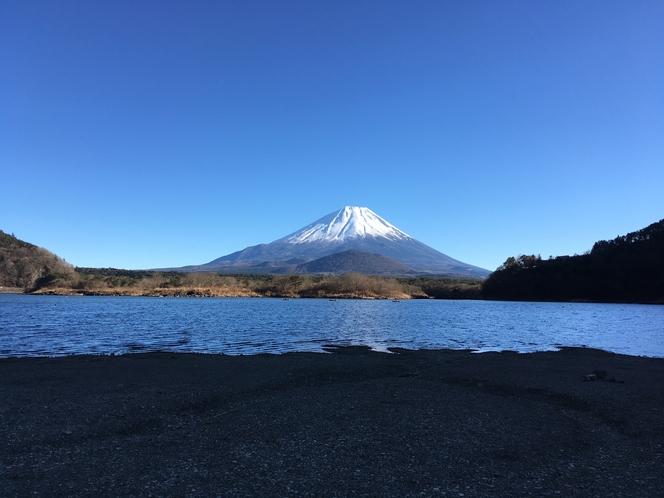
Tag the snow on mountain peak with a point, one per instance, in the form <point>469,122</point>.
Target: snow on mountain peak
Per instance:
<point>348,223</point>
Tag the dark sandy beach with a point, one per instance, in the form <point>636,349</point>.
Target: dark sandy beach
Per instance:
<point>352,423</point>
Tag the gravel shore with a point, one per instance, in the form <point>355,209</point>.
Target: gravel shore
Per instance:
<point>349,423</point>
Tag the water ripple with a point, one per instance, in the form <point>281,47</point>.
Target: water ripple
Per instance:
<point>59,325</point>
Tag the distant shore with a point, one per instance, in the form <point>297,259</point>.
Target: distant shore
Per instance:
<point>116,282</point>
<point>212,292</point>
<point>112,282</point>
<point>12,290</point>
<point>351,423</point>
<point>197,292</point>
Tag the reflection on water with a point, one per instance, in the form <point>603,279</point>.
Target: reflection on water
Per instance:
<point>61,325</point>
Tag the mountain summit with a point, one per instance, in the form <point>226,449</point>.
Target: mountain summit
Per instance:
<point>350,228</point>
<point>344,225</point>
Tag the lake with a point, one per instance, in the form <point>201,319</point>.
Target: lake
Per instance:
<point>63,325</point>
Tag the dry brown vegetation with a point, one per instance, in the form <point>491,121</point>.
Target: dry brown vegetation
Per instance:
<point>353,285</point>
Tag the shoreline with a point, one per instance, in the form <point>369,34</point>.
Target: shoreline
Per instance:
<point>328,349</point>
<point>350,422</point>
<point>207,293</point>
<point>12,290</point>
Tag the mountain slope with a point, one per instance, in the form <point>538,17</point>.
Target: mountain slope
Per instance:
<point>356,262</point>
<point>350,228</point>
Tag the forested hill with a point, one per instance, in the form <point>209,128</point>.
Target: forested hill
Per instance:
<point>351,261</point>
<point>22,263</point>
<point>626,269</point>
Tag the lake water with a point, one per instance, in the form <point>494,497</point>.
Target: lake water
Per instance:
<point>63,325</point>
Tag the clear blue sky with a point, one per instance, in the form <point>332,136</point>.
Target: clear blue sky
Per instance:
<point>151,134</point>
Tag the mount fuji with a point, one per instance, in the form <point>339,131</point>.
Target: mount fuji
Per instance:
<point>349,229</point>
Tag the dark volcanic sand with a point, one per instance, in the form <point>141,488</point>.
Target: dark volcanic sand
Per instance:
<point>354,423</point>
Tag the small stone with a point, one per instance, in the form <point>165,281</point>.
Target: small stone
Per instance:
<point>600,374</point>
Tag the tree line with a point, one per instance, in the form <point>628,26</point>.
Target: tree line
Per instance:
<point>629,268</point>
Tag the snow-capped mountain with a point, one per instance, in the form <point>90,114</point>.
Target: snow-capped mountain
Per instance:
<point>346,224</point>
<point>350,228</point>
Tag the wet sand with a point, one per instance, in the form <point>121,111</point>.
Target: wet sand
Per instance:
<point>350,423</point>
